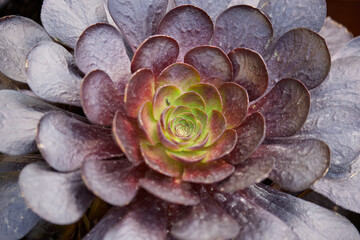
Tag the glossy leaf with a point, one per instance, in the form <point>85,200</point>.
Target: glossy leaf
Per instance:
<point>101,47</point>
<point>250,71</point>
<point>147,123</point>
<point>19,117</point>
<point>250,134</point>
<point>210,94</point>
<point>137,19</point>
<point>188,25</point>
<point>351,49</point>
<point>60,198</point>
<point>139,89</point>
<point>100,98</point>
<point>286,15</point>
<point>211,7</point>
<point>65,142</point>
<point>19,35</point>
<point>300,54</point>
<point>223,146</point>
<point>212,63</point>
<point>235,103</point>
<point>155,53</point>
<point>243,26</point>
<point>284,108</point>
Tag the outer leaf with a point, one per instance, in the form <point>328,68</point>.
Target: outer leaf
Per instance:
<point>243,26</point>
<point>65,21</point>
<point>211,7</point>
<point>60,198</point>
<point>252,3</point>
<point>16,163</point>
<point>306,219</point>
<point>300,54</point>
<point>137,19</point>
<point>188,25</point>
<point>351,49</point>
<point>19,35</point>
<point>286,15</point>
<point>52,74</point>
<point>285,108</point>
<point>19,116</point>
<point>65,142</point>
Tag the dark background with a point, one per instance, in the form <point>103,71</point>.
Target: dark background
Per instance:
<point>346,12</point>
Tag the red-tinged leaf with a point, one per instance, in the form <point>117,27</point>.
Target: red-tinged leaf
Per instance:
<point>223,146</point>
<point>251,171</point>
<point>207,172</point>
<point>128,136</point>
<point>101,47</point>
<point>212,63</point>
<point>137,19</point>
<point>165,96</point>
<point>180,75</point>
<point>145,220</point>
<point>187,157</point>
<point>169,189</point>
<point>250,71</point>
<point>250,134</point>
<point>155,53</point>
<point>60,198</point>
<point>298,163</point>
<point>52,73</point>
<point>100,98</point>
<point>243,26</point>
<point>188,25</point>
<point>157,159</point>
<point>147,123</point>
<point>19,35</point>
<point>286,15</point>
<point>210,94</point>
<point>307,220</point>
<point>190,100</point>
<point>284,108</point>
<point>216,126</point>
<point>300,54</point>
<point>65,142</point>
<point>165,140</point>
<point>114,181</point>
<point>205,221</point>
<point>139,90</point>
<point>235,103</point>
<point>19,117</point>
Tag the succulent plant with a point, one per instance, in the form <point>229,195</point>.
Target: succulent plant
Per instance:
<point>174,113</point>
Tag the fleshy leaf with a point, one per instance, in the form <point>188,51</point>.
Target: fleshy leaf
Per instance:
<point>187,157</point>
<point>298,163</point>
<point>147,123</point>
<point>251,171</point>
<point>250,71</point>
<point>243,26</point>
<point>19,35</point>
<point>286,15</point>
<point>16,219</point>
<point>139,89</point>
<point>16,163</point>
<point>351,49</point>
<point>252,3</point>
<point>60,198</point>
<point>145,220</point>
<point>205,221</point>
<point>210,94</point>
<point>300,54</point>
<point>157,159</point>
<point>52,74</point>
<point>189,26</point>
<point>235,103</point>
<point>208,172</point>
<point>137,19</point>
<point>155,53</point>
<point>128,136</point>
<point>254,222</point>
<point>114,181</point>
<point>101,47</point>
<point>169,189</point>
<point>190,100</point>
<point>212,63</point>
<point>65,142</point>
<point>223,146</point>
<point>180,75</point>
<point>100,98</point>
<point>285,108</point>
<point>335,35</point>
<point>19,117</point>
<point>165,96</point>
<point>216,126</point>
<point>306,219</point>
<point>250,135</point>
<point>211,7</point>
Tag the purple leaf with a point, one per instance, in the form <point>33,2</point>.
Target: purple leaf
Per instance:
<point>223,146</point>
<point>252,3</point>
<point>351,49</point>
<point>16,163</point>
